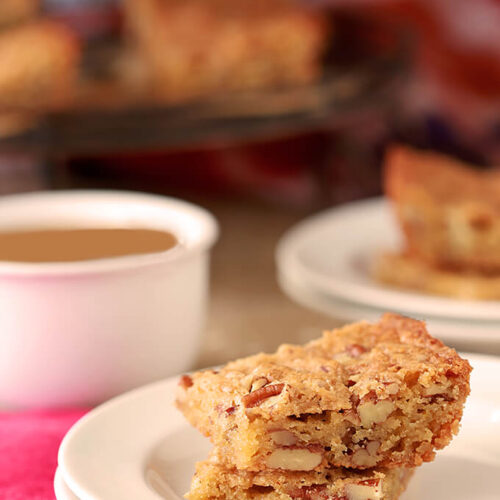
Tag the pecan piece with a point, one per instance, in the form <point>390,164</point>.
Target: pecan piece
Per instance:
<point>435,389</point>
<point>185,382</point>
<point>369,489</point>
<point>362,458</point>
<point>294,458</point>
<point>372,447</point>
<point>375,413</point>
<point>283,438</point>
<point>355,350</point>
<point>392,388</point>
<point>255,398</point>
<point>258,384</point>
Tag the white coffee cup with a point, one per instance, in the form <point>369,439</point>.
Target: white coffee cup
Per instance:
<point>78,333</point>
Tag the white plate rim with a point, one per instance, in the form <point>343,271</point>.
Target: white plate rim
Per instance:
<point>288,261</point>
<point>61,489</point>
<point>447,329</point>
<point>82,491</point>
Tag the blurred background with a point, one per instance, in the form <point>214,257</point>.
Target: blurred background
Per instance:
<point>262,111</point>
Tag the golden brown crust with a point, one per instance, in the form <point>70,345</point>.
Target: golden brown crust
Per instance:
<point>409,273</point>
<point>206,46</point>
<point>38,66</point>
<point>385,394</point>
<point>449,212</point>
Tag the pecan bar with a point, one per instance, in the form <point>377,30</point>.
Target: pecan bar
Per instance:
<point>38,66</point>
<point>384,394</point>
<point>449,212</point>
<point>213,481</point>
<point>404,271</point>
<point>201,47</point>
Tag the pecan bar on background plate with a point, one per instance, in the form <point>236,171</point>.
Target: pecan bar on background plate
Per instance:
<point>366,395</point>
<point>448,210</point>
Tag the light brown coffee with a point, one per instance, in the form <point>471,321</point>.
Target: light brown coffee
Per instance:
<point>69,245</point>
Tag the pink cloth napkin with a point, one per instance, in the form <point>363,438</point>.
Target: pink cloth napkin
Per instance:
<point>28,452</point>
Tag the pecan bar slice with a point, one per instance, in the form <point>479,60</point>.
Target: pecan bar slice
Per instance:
<point>384,394</point>
<point>202,47</point>
<point>38,66</point>
<point>449,211</point>
<point>213,481</point>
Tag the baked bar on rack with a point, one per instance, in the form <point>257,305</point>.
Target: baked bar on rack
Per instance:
<point>214,481</point>
<point>384,394</point>
<point>406,272</point>
<point>200,47</point>
<point>12,11</point>
<point>38,66</point>
<point>449,212</point>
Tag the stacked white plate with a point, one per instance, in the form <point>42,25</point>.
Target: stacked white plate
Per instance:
<point>323,263</point>
<point>139,447</point>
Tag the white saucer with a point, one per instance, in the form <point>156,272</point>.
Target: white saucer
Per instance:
<point>138,446</point>
<point>331,253</point>
<point>463,334</point>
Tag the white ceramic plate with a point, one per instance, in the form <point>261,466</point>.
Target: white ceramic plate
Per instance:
<point>331,252</point>
<point>463,334</point>
<point>138,446</point>
<point>61,489</point>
